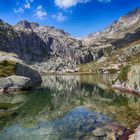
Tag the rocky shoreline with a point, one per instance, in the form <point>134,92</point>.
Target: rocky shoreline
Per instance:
<point>127,90</point>
<point>15,75</point>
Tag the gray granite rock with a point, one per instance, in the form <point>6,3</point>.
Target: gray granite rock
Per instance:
<point>17,82</point>
<point>24,70</point>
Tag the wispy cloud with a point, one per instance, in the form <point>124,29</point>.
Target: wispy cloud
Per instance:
<point>21,9</point>
<point>59,17</point>
<point>40,13</point>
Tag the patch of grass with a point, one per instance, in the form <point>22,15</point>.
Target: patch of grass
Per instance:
<point>7,68</point>
<point>112,71</point>
<point>123,74</point>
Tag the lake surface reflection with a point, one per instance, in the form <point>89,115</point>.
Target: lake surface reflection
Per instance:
<point>65,105</point>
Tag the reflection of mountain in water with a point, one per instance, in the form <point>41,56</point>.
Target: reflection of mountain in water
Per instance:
<point>60,94</point>
<point>72,81</point>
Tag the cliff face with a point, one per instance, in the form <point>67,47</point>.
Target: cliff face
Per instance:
<point>35,43</point>
<point>32,42</point>
<point>47,41</point>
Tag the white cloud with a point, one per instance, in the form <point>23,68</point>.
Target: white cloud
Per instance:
<point>40,13</point>
<point>68,3</point>
<point>27,5</point>
<point>19,10</point>
<point>59,17</point>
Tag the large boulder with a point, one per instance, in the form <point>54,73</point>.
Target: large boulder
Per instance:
<point>10,64</point>
<point>15,82</point>
<point>24,70</point>
<point>111,131</point>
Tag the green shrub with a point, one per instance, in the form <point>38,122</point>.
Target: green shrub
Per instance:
<point>123,74</point>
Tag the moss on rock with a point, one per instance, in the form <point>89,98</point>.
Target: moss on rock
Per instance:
<point>7,68</point>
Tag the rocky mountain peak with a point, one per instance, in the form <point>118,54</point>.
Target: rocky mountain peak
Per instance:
<point>135,12</point>
<point>131,17</point>
<point>26,25</point>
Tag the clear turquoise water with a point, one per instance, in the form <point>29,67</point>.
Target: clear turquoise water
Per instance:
<point>65,106</point>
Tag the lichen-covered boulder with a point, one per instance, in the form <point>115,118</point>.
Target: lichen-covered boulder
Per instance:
<point>15,82</point>
<point>129,80</point>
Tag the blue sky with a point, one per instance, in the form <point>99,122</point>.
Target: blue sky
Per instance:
<point>77,17</point>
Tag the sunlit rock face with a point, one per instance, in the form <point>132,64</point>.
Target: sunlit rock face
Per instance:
<point>123,28</point>
<point>32,42</point>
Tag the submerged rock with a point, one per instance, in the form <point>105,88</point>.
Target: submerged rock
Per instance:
<point>111,131</point>
<point>73,125</point>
